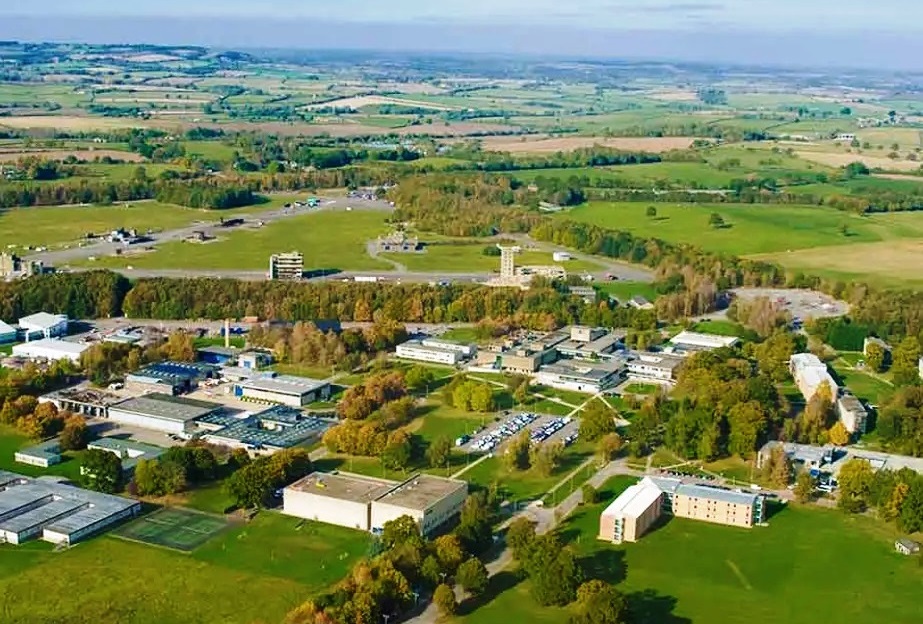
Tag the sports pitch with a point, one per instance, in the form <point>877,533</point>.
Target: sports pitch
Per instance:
<point>178,529</point>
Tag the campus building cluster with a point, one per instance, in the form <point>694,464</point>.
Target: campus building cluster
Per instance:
<point>810,374</point>
<point>47,509</point>
<point>639,507</point>
<point>41,337</point>
<point>366,503</point>
<point>592,359</point>
<point>824,462</point>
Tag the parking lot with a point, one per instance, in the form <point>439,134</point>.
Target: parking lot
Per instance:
<point>542,428</point>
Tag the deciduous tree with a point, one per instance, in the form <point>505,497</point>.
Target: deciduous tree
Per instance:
<point>445,601</point>
<point>472,576</point>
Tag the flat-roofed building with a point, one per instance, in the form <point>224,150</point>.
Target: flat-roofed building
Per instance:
<point>630,515</point>
<point>852,414</point>
<point>43,325</point>
<point>810,374</point>
<point>56,512</point>
<point>168,377</point>
<point>82,400</point>
<point>655,367</point>
<point>276,428</point>
<point>50,349</point>
<point>162,412</point>
<point>366,503</point>
<point>431,501</point>
<point>467,350</point>
<point>284,390</point>
<point>8,333</point>
<point>581,376</point>
<point>334,498</point>
<point>286,266</point>
<point>420,352</point>
<point>129,451</point>
<point>696,341</point>
<point>42,455</point>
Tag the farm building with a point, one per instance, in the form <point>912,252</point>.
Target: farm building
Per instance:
<point>420,352</point>
<point>639,507</point>
<point>51,349</point>
<point>906,546</point>
<point>279,427</point>
<point>284,390</point>
<point>59,513</point>
<point>168,377</point>
<point>161,412</point>
<point>43,325</point>
<point>8,333</point>
<point>129,451</point>
<point>695,341</point>
<point>366,503</point>
<point>810,374</point>
<point>43,455</point>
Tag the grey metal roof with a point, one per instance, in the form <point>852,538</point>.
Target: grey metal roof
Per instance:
<point>284,384</point>
<point>42,515</point>
<point>278,427</point>
<point>711,493</point>
<point>165,407</point>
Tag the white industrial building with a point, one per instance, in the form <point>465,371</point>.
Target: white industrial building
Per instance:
<point>43,325</point>
<point>655,367</point>
<point>695,341</point>
<point>283,390</point>
<point>8,333</point>
<point>42,455</point>
<point>161,412</point>
<point>51,349</point>
<point>810,373</point>
<point>58,513</point>
<point>366,503</point>
<point>416,350</point>
<point>467,350</point>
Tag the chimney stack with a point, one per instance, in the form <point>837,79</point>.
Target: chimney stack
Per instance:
<point>227,333</point>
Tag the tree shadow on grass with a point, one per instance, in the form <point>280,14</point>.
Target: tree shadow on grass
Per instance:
<point>773,508</point>
<point>649,607</point>
<point>606,565</point>
<point>499,583</point>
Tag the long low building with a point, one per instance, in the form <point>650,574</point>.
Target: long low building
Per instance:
<point>162,412</point>
<point>420,352</point>
<point>129,451</point>
<point>54,511</point>
<point>810,374</point>
<point>639,507</point>
<point>655,367</point>
<point>697,341</point>
<point>168,377</point>
<point>42,455</point>
<point>284,390</point>
<point>366,503</point>
<point>51,349</point>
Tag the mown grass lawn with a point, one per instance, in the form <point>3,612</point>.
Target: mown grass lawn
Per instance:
<point>750,229</point>
<point>688,572</point>
<point>251,574</point>
<point>328,240</point>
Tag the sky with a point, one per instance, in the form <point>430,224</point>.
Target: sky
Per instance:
<point>803,32</point>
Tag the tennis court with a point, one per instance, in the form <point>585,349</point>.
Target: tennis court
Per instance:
<point>179,529</point>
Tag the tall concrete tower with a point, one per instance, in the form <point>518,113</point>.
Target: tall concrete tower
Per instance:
<point>508,261</point>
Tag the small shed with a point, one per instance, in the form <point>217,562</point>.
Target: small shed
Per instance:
<point>906,546</point>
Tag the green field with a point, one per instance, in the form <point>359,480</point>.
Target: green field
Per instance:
<point>11,440</point>
<point>752,229</point>
<point>54,226</point>
<point>623,291</point>
<point>329,240</point>
<point>689,572</point>
<point>249,574</point>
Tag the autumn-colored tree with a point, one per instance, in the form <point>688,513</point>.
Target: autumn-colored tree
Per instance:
<point>854,484</point>
<point>608,447</point>
<point>838,434</point>
<point>804,487</point>
<point>445,601</point>
<point>517,456</point>
<point>875,356</point>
